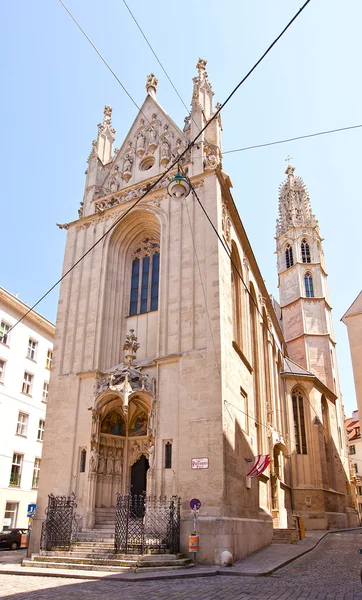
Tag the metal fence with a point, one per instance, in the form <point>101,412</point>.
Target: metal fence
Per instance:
<point>60,527</point>
<point>147,523</point>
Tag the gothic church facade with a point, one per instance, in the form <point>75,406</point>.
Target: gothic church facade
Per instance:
<point>167,351</point>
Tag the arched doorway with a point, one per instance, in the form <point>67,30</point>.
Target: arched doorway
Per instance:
<point>139,476</point>
<point>123,437</point>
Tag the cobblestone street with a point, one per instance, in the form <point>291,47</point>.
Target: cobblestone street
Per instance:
<point>331,571</point>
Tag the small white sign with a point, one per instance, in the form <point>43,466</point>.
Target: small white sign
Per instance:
<point>199,463</point>
<point>7,522</point>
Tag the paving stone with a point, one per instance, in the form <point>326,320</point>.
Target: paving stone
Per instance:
<point>330,572</point>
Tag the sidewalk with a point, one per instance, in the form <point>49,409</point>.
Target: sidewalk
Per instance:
<point>260,563</point>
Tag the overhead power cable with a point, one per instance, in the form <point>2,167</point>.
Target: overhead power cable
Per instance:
<point>173,164</point>
<point>253,300</point>
<point>293,139</point>
<point>155,55</point>
<point>103,59</point>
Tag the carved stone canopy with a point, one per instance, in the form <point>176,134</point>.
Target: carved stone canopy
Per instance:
<point>116,379</point>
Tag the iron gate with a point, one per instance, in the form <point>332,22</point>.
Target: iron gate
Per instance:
<point>146,523</point>
<point>60,527</point>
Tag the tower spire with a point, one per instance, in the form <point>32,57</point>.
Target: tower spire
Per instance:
<point>294,204</point>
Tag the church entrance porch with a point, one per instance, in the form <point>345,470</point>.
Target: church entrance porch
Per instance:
<point>122,437</point>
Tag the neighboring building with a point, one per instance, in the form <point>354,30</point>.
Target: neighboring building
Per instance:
<point>25,362</point>
<point>211,381</point>
<point>353,320</point>
<point>353,429</point>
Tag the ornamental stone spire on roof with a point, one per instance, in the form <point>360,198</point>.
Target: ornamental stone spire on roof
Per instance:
<point>151,85</point>
<point>104,144</point>
<point>294,204</point>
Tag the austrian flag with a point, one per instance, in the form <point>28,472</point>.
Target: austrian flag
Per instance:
<point>261,462</point>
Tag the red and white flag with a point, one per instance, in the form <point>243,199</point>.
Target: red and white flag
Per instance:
<point>261,462</point>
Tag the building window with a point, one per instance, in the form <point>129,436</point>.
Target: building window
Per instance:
<point>16,467</point>
<point>49,360</point>
<point>2,370</point>
<point>289,256</point>
<point>359,508</point>
<point>41,430</point>
<point>22,425</point>
<point>308,282</point>
<point>237,295</point>
<point>299,424</point>
<point>359,490</point>
<point>305,251</point>
<point>355,466</point>
<point>45,391</point>
<point>168,455</point>
<point>36,472</point>
<point>27,383</point>
<point>10,516</point>
<point>4,335</point>
<point>352,449</point>
<point>83,458</point>
<point>145,278</point>
<point>244,410</point>
<point>32,347</point>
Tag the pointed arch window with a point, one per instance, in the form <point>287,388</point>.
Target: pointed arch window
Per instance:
<point>289,256</point>
<point>299,423</point>
<point>305,251</point>
<point>237,297</point>
<point>308,283</point>
<point>145,278</point>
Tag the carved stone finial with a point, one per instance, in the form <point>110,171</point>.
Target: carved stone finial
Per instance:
<point>107,118</point>
<point>201,67</point>
<point>290,171</point>
<point>130,347</point>
<point>151,85</point>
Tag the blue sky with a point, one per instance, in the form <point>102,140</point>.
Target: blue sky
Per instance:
<point>55,87</point>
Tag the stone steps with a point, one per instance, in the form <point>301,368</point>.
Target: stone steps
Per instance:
<point>285,536</point>
<point>106,562</point>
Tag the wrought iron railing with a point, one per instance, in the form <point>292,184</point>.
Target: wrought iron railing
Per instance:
<point>60,527</point>
<point>148,523</point>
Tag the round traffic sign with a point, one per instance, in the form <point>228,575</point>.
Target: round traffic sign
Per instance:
<point>195,504</point>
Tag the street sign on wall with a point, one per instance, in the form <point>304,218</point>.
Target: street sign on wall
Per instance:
<point>199,463</point>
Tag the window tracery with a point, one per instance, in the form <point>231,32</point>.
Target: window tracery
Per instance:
<point>308,283</point>
<point>289,256</point>
<point>299,423</point>
<point>305,252</point>
<point>145,277</point>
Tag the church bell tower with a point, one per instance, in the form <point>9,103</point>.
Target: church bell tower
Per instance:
<point>302,280</point>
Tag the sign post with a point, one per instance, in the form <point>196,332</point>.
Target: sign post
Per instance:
<point>194,547</point>
<point>30,514</point>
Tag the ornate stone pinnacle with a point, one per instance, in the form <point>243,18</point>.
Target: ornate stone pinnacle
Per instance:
<point>201,67</point>
<point>107,119</point>
<point>151,85</point>
<point>130,347</point>
<point>290,170</point>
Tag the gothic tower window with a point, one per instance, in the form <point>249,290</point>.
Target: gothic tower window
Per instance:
<point>299,423</point>
<point>289,256</point>
<point>305,251</point>
<point>237,295</point>
<point>168,455</point>
<point>308,283</point>
<point>145,278</point>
